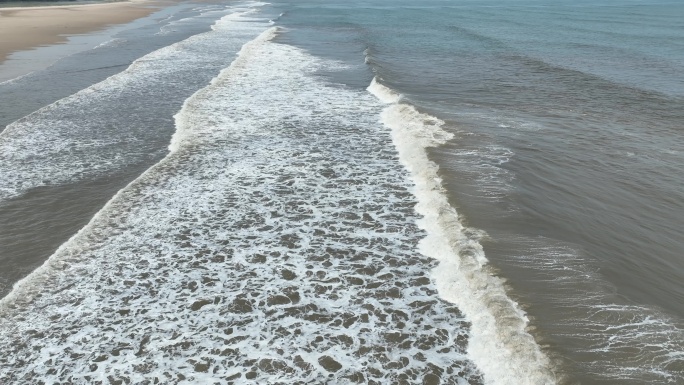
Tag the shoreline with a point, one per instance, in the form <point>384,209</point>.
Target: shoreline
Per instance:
<point>28,28</point>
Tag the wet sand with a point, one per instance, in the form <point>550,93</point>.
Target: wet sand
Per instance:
<point>30,27</point>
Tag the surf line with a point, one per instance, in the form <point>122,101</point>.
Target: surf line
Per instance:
<point>499,343</point>
<point>26,289</point>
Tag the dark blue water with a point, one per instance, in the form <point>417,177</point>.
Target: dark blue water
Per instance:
<point>535,144</point>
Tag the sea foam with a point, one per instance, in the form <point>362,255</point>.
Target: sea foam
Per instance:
<point>116,123</point>
<point>499,343</point>
<point>276,243</point>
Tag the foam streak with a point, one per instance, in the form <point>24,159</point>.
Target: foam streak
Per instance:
<point>499,344</point>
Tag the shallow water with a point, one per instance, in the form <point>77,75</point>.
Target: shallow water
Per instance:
<point>86,141</point>
<point>38,3</point>
<point>566,122</point>
<point>499,206</point>
<point>273,242</point>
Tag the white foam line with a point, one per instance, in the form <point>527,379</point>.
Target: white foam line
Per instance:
<point>499,343</point>
<point>230,17</point>
<point>27,288</point>
<point>12,80</point>
<point>25,154</point>
<point>183,120</point>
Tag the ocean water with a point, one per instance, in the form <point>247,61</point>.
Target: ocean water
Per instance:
<point>39,3</point>
<point>323,192</point>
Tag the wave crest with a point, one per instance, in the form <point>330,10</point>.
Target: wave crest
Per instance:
<point>499,343</point>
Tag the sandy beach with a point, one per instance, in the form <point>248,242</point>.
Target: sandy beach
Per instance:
<point>29,27</point>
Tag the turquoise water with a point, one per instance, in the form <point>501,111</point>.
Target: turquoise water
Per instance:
<point>367,192</point>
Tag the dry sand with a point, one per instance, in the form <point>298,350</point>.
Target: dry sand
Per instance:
<point>30,27</point>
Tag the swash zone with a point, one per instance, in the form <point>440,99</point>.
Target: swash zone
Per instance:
<point>276,245</point>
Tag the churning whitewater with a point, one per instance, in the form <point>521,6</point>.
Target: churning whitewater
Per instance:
<point>370,192</point>
<point>81,136</point>
<point>290,236</point>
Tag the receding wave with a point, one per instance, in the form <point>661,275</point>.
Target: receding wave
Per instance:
<point>499,343</point>
<point>106,126</point>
